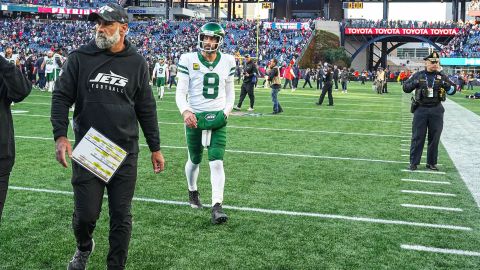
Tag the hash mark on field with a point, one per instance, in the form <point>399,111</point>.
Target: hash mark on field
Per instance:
<point>419,171</point>
<point>426,181</point>
<point>431,207</point>
<point>278,212</point>
<point>441,250</point>
<point>429,193</point>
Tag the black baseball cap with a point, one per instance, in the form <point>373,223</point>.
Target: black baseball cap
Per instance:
<point>111,13</point>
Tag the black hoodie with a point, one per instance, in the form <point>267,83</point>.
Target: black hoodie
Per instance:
<point>111,92</point>
<point>13,87</point>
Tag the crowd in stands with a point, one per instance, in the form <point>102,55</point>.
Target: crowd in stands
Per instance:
<point>153,38</point>
<point>465,44</point>
<point>474,5</point>
<point>62,3</point>
<point>361,23</point>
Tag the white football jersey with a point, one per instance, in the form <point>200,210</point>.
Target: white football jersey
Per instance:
<point>206,89</point>
<point>12,59</point>
<point>50,64</point>
<point>160,71</point>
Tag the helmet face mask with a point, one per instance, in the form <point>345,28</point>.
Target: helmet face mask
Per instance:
<point>210,30</point>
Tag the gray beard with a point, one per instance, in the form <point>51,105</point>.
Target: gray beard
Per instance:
<point>105,42</point>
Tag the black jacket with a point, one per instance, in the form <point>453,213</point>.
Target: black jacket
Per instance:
<point>13,87</point>
<point>251,69</point>
<point>111,92</point>
<point>422,80</point>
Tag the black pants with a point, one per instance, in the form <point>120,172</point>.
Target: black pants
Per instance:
<point>41,80</point>
<point>327,88</point>
<point>88,196</point>
<point>247,88</point>
<point>6,165</point>
<point>305,83</point>
<point>289,82</point>
<point>363,80</point>
<point>319,84</point>
<point>295,83</point>
<point>336,83</point>
<point>426,120</point>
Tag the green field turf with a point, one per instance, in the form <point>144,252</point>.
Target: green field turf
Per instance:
<point>315,187</point>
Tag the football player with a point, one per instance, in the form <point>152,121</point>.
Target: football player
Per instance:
<point>160,72</point>
<point>205,96</point>
<point>11,57</point>
<point>52,66</point>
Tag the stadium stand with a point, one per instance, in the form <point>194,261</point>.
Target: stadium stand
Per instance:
<point>153,38</point>
<point>362,23</point>
<point>63,3</point>
<point>465,44</point>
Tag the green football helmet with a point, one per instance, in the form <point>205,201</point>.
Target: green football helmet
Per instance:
<point>211,29</point>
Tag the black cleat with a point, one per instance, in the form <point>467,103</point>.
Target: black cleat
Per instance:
<point>318,103</point>
<point>412,167</point>
<point>432,167</point>
<point>80,259</point>
<point>218,216</point>
<point>194,199</point>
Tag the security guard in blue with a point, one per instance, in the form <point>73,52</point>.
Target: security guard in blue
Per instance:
<point>431,87</point>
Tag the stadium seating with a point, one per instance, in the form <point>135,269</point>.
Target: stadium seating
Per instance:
<point>153,38</point>
<point>63,3</point>
<point>465,44</point>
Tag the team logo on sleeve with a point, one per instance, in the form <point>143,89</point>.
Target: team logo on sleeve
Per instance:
<point>196,66</point>
<point>110,82</point>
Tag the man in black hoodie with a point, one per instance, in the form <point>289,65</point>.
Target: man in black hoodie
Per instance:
<point>108,81</point>
<point>14,87</point>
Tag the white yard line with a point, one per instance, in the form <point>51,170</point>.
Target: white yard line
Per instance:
<point>426,181</point>
<point>277,212</point>
<point>258,153</point>
<point>428,193</point>
<point>289,108</point>
<point>432,207</point>
<point>441,250</point>
<point>281,116</point>
<point>274,129</point>
<point>420,171</point>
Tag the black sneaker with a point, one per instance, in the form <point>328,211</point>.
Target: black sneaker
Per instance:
<point>218,216</point>
<point>80,259</point>
<point>412,167</point>
<point>432,167</point>
<point>194,199</point>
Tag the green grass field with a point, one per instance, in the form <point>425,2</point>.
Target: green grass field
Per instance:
<point>315,187</point>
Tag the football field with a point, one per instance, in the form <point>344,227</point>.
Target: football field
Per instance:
<point>315,187</point>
